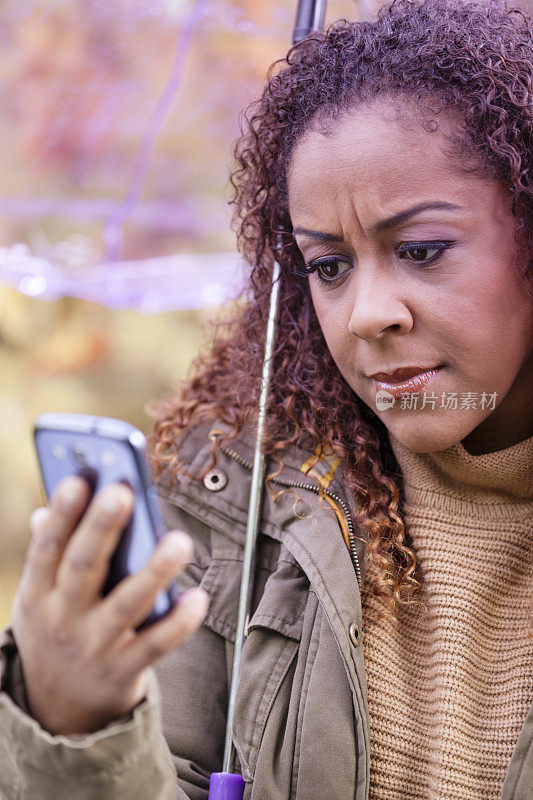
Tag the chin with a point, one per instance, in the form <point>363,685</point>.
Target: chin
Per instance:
<point>425,435</point>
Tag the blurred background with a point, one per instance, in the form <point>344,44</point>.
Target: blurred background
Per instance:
<point>117,122</point>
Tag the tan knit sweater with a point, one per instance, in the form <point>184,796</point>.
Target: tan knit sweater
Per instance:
<point>449,690</point>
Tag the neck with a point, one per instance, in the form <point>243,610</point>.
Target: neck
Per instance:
<point>499,479</point>
<point>511,421</point>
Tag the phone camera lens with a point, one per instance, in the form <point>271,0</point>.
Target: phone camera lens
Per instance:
<point>80,457</point>
<point>58,451</point>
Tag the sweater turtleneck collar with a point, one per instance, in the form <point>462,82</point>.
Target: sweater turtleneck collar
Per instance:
<point>501,478</point>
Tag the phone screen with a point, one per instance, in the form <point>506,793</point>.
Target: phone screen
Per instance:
<point>104,450</point>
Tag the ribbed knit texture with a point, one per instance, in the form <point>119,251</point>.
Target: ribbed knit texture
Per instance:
<point>449,690</point>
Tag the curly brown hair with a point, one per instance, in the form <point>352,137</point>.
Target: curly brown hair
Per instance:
<point>474,58</point>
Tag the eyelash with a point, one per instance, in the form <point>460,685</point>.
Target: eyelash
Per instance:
<point>312,268</point>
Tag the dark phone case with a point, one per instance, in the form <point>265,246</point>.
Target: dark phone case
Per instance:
<point>105,450</point>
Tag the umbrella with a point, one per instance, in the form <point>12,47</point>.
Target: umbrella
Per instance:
<point>150,286</point>
<point>227,785</point>
<point>73,267</point>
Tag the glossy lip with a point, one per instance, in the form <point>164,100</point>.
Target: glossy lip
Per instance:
<point>414,384</point>
<point>400,374</point>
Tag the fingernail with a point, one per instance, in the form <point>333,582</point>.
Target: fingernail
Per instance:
<point>70,491</point>
<point>173,547</point>
<point>111,503</point>
<point>115,500</point>
<point>197,600</point>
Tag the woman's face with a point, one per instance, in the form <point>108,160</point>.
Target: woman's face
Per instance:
<point>417,269</point>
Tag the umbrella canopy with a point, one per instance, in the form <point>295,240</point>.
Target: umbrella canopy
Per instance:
<point>151,286</point>
<point>116,185</point>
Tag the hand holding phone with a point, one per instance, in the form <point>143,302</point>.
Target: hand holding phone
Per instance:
<point>84,653</point>
<point>104,451</point>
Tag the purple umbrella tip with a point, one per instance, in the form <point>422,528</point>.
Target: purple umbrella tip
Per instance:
<point>226,786</point>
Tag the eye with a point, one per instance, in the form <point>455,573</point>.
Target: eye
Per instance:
<point>422,252</point>
<point>328,270</point>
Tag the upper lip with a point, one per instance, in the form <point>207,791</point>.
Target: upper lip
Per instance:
<point>400,373</point>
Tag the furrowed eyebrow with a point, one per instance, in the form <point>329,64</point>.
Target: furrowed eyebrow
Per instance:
<point>319,236</point>
<point>403,216</point>
<point>384,224</point>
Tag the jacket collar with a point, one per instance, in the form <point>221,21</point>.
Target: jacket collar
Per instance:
<point>301,468</point>
<point>323,465</point>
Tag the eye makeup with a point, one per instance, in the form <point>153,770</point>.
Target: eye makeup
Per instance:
<point>417,250</point>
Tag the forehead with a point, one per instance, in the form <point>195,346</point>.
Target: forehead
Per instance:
<point>380,154</point>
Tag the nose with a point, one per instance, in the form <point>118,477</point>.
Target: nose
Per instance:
<point>378,307</point>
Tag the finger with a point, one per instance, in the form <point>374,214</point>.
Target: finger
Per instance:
<point>51,527</point>
<point>133,598</point>
<point>160,638</point>
<point>85,563</point>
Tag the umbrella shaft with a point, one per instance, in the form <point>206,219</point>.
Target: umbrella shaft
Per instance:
<point>254,512</point>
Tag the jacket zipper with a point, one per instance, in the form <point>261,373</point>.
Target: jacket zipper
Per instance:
<point>335,497</point>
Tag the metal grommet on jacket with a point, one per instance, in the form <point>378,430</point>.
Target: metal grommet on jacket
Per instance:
<point>215,480</point>
<point>355,636</point>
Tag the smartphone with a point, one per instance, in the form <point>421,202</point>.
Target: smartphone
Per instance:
<point>104,450</point>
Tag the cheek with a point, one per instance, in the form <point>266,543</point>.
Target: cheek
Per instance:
<point>333,320</point>
<point>486,302</point>
<point>489,332</point>
<point>329,319</point>
<point>501,310</point>
<point>495,286</point>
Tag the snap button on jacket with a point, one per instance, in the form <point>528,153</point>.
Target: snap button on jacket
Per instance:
<point>301,727</point>
<point>215,480</point>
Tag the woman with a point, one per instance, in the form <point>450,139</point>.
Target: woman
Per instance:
<point>390,652</point>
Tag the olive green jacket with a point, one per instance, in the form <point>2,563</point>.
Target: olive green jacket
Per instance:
<point>301,727</point>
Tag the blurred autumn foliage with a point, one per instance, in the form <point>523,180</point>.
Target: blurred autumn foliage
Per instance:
<point>81,82</point>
